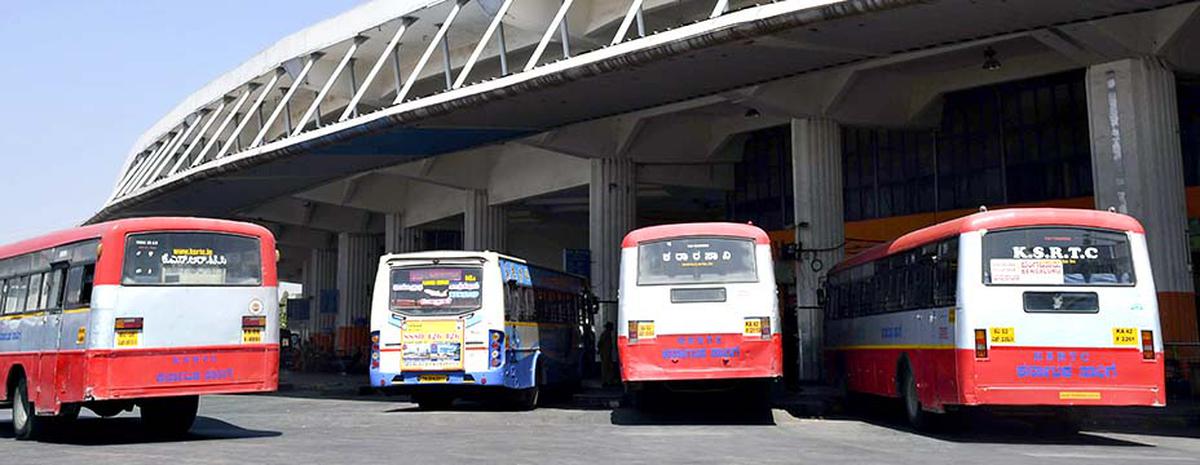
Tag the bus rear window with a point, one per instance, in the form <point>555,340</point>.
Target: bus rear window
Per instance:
<point>192,259</point>
<point>697,260</point>
<point>436,290</point>
<point>1057,257</point>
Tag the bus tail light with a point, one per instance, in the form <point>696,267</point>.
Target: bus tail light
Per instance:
<point>981,347</point>
<point>128,324</point>
<point>640,329</point>
<point>495,348</point>
<point>1147,344</point>
<point>254,322</point>
<point>129,331</point>
<point>375,350</point>
<point>766,328</point>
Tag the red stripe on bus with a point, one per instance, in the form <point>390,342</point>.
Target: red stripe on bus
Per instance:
<point>677,357</point>
<point>1023,376</point>
<point>668,231</point>
<point>101,374</point>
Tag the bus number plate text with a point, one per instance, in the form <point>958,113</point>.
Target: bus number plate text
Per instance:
<point>251,336</point>
<point>128,338</point>
<point>1003,335</point>
<point>753,327</point>
<point>1124,336</point>
<point>433,379</point>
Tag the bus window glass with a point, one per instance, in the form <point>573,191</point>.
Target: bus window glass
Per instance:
<point>1057,257</point>
<point>192,259</point>
<point>696,260</point>
<point>34,295</point>
<point>436,290</point>
<point>51,289</point>
<point>14,299</point>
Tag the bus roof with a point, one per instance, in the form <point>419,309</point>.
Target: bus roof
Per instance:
<point>996,219</point>
<point>448,255</point>
<point>667,231</point>
<point>97,230</point>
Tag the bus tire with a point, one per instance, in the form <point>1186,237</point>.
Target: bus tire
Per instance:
<point>27,425</point>
<point>911,401</point>
<point>169,416</point>
<point>528,398</point>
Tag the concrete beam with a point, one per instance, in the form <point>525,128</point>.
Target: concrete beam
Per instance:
<point>299,212</point>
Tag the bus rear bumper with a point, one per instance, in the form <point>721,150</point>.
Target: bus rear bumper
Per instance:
<point>700,357</point>
<point>1112,396</point>
<point>174,371</point>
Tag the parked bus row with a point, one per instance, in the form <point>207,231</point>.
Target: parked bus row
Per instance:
<point>1043,308</point>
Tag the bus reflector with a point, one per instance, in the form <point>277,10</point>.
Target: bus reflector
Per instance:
<point>128,323</point>
<point>981,348</point>
<point>495,352</point>
<point>1147,344</point>
<point>375,350</point>
<point>254,322</point>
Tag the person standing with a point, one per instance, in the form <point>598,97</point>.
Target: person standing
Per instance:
<point>608,348</point>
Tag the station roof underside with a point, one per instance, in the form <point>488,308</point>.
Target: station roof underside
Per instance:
<point>743,48</point>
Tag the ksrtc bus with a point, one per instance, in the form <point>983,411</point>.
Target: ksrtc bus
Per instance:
<point>450,324</point>
<point>698,308</point>
<point>1042,308</point>
<point>149,312</point>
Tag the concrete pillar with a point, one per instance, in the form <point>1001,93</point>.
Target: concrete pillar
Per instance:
<point>397,238</point>
<point>484,224</point>
<point>320,277</point>
<point>612,213</point>
<point>820,227</point>
<point>358,259</point>
<point>1137,168</point>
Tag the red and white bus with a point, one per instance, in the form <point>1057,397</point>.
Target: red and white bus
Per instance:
<point>148,312</point>
<point>1039,307</point>
<point>698,308</point>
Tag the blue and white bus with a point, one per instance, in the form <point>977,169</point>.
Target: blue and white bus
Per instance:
<point>451,324</point>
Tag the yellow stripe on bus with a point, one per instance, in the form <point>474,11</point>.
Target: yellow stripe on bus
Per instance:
<point>531,324</point>
<point>43,313</point>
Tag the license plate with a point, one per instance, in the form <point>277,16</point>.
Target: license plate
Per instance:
<point>251,336</point>
<point>1124,336</point>
<point>433,379</point>
<point>128,338</point>
<point>752,327</point>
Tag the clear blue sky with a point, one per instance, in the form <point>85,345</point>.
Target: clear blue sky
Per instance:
<point>83,79</point>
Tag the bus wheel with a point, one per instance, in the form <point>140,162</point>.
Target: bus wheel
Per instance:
<point>169,416</point>
<point>26,424</point>
<point>917,416</point>
<point>527,399</point>
<point>433,401</point>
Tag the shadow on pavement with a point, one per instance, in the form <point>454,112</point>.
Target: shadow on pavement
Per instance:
<point>696,408</point>
<point>973,427</point>
<point>128,430</point>
<point>632,417</point>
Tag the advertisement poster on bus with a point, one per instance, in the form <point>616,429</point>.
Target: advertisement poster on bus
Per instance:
<point>431,345</point>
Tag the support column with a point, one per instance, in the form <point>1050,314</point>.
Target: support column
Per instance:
<point>1137,168</point>
<point>358,259</point>
<point>484,225</point>
<point>612,213</point>
<point>820,228</point>
<point>397,238</point>
<point>320,286</point>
